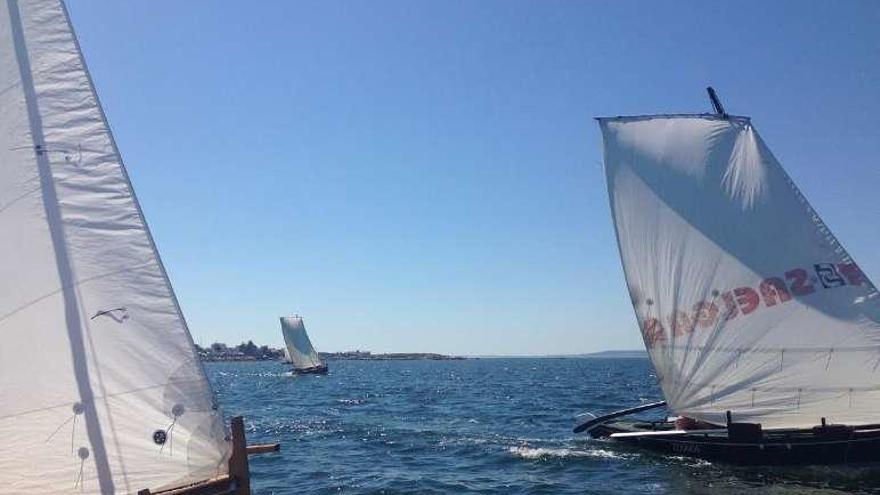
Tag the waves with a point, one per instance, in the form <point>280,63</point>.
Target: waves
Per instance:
<point>489,426</point>
<point>563,453</point>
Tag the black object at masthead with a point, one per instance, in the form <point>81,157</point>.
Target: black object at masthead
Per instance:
<point>719,109</point>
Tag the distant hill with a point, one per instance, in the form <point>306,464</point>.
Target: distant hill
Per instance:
<point>617,354</point>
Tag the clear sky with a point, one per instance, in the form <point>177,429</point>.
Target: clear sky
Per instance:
<point>426,176</point>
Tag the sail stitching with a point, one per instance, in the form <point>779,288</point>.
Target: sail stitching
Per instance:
<point>72,285</point>
<point>108,396</point>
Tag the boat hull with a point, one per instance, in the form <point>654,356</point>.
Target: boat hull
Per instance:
<point>793,447</point>
<point>315,370</point>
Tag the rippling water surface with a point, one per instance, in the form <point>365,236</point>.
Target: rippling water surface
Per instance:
<point>473,426</point>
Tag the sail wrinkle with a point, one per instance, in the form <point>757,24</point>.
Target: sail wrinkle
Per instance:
<point>745,178</point>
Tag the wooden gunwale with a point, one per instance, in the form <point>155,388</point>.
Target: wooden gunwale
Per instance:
<point>237,482</point>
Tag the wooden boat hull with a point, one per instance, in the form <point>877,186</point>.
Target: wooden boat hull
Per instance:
<point>792,447</point>
<point>315,370</point>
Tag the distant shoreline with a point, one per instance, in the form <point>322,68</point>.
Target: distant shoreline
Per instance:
<point>419,356</point>
<point>249,352</point>
<point>633,354</point>
<point>238,357</point>
<point>389,356</point>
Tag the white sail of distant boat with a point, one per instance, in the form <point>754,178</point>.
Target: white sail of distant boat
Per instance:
<point>746,301</point>
<point>102,391</point>
<point>300,351</point>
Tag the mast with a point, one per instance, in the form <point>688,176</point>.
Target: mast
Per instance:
<point>716,102</point>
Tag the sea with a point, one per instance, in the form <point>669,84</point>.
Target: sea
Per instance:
<point>483,426</point>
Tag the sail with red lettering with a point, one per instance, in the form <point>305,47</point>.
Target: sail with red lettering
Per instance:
<point>745,299</point>
<point>101,390</point>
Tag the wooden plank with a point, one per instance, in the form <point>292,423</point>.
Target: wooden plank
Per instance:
<point>238,462</point>
<point>263,448</point>
<point>215,486</point>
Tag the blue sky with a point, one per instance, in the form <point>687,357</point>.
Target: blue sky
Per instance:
<point>426,176</point>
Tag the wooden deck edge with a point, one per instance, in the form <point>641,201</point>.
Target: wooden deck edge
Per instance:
<point>238,481</point>
<point>214,486</point>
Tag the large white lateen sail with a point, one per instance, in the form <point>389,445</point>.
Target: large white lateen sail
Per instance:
<point>746,301</point>
<point>299,348</point>
<point>100,388</point>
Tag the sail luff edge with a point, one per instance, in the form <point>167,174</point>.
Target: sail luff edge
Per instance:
<point>134,199</point>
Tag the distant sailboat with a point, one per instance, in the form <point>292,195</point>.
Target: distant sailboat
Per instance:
<point>102,391</point>
<point>300,352</point>
<point>763,331</point>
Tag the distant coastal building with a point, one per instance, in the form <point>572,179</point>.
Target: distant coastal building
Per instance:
<point>246,351</point>
<point>347,355</point>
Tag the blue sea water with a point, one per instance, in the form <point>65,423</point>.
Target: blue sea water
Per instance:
<point>489,426</point>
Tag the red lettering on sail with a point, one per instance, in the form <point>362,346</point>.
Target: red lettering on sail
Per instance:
<point>653,331</point>
<point>681,323</point>
<point>773,289</point>
<point>747,299</point>
<point>852,273</point>
<point>730,310</point>
<point>800,285</point>
<point>706,314</point>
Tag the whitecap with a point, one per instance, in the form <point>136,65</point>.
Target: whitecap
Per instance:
<point>545,453</point>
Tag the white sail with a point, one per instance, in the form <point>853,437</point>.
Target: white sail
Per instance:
<point>102,391</point>
<point>746,301</point>
<point>299,348</point>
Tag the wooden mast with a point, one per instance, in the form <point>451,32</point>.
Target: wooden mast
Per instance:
<point>238,462</point>
<point>238,481</point>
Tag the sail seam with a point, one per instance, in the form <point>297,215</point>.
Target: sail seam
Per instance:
<point>97,397</point>
<point>71,286</point>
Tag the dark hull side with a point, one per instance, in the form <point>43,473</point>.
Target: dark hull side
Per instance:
<point>800,447</point>
<point>316,370</point>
